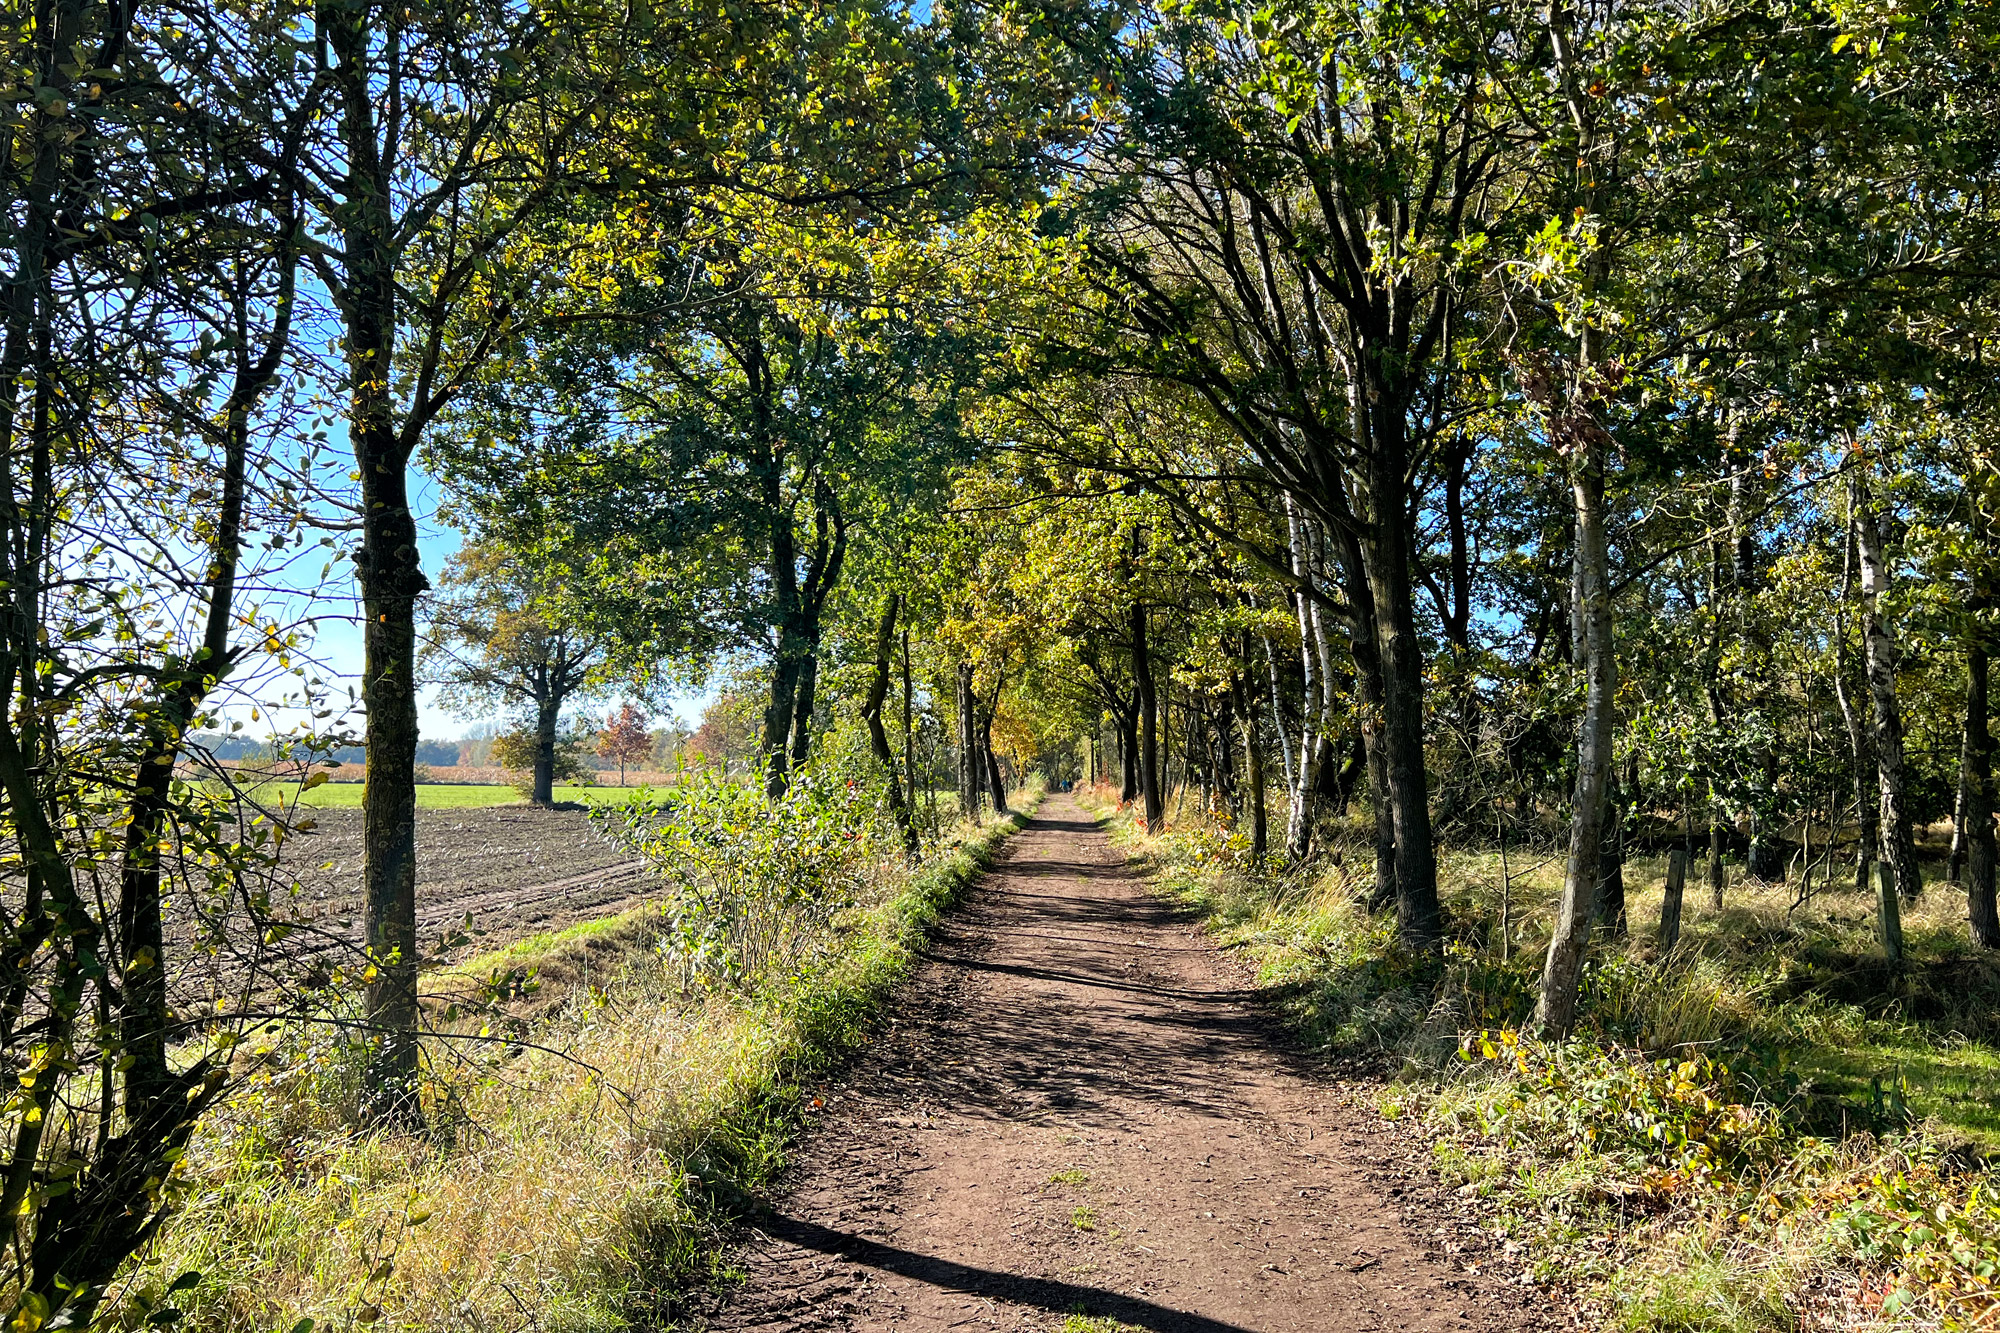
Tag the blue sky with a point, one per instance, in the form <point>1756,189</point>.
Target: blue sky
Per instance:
<point>333,610</point>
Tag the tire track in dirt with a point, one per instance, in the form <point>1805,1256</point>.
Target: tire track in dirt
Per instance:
<point>1079,1108</point>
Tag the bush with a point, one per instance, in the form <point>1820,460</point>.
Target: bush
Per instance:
<point>749,882</point>
<point>575,1182</point>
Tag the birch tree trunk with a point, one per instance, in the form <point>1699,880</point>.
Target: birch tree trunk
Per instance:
<point>1304,811</point>
<point>1899,847</point>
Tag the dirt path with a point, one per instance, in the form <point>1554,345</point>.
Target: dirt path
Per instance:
<point>1079,1110</point>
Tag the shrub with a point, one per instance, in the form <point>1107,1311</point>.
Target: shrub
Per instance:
<point>750,882</point>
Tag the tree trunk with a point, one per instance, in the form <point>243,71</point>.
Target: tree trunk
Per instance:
<point>878,735</point>
<point>1670,906</point>
<point>1979,835</point>
<point>391,581</point>
<point>1418,920</point>
<point>1303,817</point>
<point>996,782</point>
<point>547,717</point>
<point>1718,876</point>
<point>970,779</point>
<point>1611,865</point>
<point>1222,751</point>
<point>804,703</point>
<point>1859,747</point>
<point>1371,706</point>
<point>1888,912</point>
<point>1149,722</point>
<point>909,732</point>
<point>1955,865</point>
<point>1128,752</point>
<point>1277,710</point>
<point>1899,847</point>
<point>1555,1013</point>
<point>788,653</point>
<point>1253,756</point>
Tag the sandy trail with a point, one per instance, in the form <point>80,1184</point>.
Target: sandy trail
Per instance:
<point>1078,1108</point>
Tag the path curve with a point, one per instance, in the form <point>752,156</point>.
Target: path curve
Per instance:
<point>1078,1108</point>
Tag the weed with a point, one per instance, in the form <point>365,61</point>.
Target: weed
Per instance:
<point>1074,1176</point>
<point>1083,1218</point>
<point>1080,1322</point>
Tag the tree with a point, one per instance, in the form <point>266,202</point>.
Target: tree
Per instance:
<point>452,129</point>
<point>501,634</point>
<point>147,296</point>
<point>625,738</point>
<point>1227,253</point>
<point>724,464</point>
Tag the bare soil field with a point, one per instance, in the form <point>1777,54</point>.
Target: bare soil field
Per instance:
<point>515,870</point>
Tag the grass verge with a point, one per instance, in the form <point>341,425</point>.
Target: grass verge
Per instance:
<point>583,1158</point>
<point>1769,1130</point>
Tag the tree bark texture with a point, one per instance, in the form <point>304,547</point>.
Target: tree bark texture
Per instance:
<point>391,581</point>
<point>1555,1013</point>
<point>1611,865</point>
<point>1670,906</point>
<point>1418,920</point>
<point>548,715</point>
<point>1980,855</point>
<point>1899,848</point>
<point>1149,722</point>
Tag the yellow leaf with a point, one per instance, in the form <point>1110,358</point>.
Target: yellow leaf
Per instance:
<point>33,1312</point>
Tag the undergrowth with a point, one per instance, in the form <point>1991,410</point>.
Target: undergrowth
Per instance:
<point>1769,1129</point>
<point>592,1128</point>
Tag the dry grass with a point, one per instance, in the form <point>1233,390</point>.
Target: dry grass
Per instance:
<point>577,1187</point>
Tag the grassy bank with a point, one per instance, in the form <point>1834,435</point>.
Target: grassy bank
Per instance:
<point>593,1126</point>
<point>1770,1130</point>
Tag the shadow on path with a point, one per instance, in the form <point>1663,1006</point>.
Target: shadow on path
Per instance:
<point>1061,1298</point>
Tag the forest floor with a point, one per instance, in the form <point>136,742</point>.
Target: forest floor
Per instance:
<point>1081,1118</point>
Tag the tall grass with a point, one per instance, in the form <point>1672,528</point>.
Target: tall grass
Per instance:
<point>581,1164</point>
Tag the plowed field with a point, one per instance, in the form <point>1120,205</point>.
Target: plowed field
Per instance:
<point>515,870</point>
